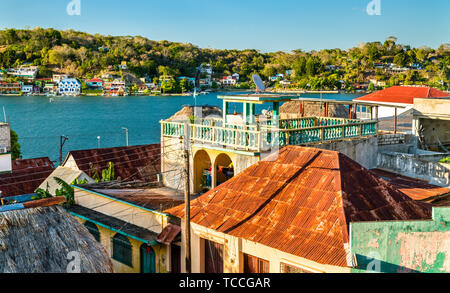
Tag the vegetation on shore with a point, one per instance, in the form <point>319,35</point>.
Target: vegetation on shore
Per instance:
<point>85,56</point>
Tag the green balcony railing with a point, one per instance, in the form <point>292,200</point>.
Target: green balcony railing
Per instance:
<point>263,136</point>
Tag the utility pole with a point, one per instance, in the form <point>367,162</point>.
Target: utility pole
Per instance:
<point>126,131</point>
<point>62,141</point>
<point>187,201</point>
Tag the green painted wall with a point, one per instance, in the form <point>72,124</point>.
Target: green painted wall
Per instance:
<point>403,246</point>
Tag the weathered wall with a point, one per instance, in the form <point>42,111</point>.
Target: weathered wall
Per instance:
<point>403,246</point>
<point>129,213</point>
<point>106,237</point>
<point>388,139</point>
<point>363,150</point>
<point>412,166</point>
<point>234,248</point>
<point>5,136</point>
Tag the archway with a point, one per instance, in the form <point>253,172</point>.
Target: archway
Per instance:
<point>148,262</point>
<point>202,172</point>
<point>224,169</point>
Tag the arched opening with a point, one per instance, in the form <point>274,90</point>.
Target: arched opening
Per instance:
<point>93,229</point>
<point>148,263</point>
<point>202,172</point>
<point>122,250</point>
<point>224,169</point>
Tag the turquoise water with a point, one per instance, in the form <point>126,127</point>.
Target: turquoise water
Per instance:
<point>40,123</point>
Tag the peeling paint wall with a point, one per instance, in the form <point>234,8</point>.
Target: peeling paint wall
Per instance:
<point>403,246</point>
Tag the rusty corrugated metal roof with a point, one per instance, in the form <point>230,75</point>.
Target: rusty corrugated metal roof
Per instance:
<point>168,234</point>
<point>414,188</point>
<point>302,202</point>
<point>31,163</point>
<point>141,163</point>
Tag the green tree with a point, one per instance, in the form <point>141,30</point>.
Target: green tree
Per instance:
<point>15,146</point>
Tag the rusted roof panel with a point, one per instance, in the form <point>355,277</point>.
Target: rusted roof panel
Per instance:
<point>301,202</point>
<point>414,188</point>
<point>31,163</point>
<point>24,180</point>
<point>134,163</point>
<point>169,234</point>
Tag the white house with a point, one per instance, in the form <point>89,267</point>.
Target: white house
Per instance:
<point>27,89</point>
<point>69,87</point>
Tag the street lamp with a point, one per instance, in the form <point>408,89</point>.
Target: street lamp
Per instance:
<point>126,131</point>
<point>98,140</point>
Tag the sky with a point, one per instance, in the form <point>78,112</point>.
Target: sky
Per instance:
<point>268,26</point>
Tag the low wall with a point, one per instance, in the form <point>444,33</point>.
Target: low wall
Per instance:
<point>389,139</point>
<point>363,150</point>
<point>415,167</point>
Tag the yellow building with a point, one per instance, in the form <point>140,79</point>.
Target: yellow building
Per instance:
<point>127,222</point>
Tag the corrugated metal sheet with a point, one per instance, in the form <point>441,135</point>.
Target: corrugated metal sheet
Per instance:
<point>414,188</point>
<point>302,203</point>
<point>31,163</point>
<point>23,181</point>
<point>169,234</point>
<point>132,163</point>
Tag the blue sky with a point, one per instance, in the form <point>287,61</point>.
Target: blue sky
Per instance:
<point>238,24</point>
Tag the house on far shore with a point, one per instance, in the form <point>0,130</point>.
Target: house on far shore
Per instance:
<point>69,87</point>
<point>291,213</point>
<point>401,96</point>
<point>95,84</point>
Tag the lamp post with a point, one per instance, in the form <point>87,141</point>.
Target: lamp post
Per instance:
<point>98,140</point>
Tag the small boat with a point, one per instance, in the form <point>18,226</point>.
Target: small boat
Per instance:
<point>51,100</point>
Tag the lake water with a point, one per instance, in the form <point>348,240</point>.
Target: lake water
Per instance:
<point>40,123</point>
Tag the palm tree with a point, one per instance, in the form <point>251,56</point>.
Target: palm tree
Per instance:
<point>66,190</point>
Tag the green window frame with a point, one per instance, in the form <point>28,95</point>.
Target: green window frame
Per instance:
<point>93,229</point>
<point>122,250</point>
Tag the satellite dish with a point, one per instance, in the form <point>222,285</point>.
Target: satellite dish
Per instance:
<point>260,87</point>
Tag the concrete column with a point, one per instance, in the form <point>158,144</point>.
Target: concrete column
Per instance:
<point>276,114</point>
<point>245,112</point>
<point>225,111</point>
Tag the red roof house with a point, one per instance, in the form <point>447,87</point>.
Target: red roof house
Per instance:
<point>301,202</point>
<point>402,95</point>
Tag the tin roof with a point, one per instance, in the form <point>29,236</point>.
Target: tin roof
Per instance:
<point>414,188</point>
<point>301,201</point>
<point>141,163</point>
<point>169,234</point>
<point>26,176</point>
<point>403,94</point>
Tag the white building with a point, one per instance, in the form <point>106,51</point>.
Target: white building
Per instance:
<point>24,72</point>
<point>27,89</point>
<point>69,87</point>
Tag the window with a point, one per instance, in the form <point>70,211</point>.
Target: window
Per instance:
<point>254,265</point>
<point>93,229</point>
<point>122,250</point>
<point>213,257</point>
<point>288,269</point>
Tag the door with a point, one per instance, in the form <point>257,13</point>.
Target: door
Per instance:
<point>148,263</point>
<point>213,257</point>
<point>175,259</point>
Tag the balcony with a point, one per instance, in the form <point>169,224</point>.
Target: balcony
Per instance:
<point>261,136</point>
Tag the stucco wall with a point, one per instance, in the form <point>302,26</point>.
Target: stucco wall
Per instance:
<point>403,246</point>
<point>234,248</point>
<point>106,237</point>
<point>363,150</point>
<point>125,212</point>
<point>5,136</point>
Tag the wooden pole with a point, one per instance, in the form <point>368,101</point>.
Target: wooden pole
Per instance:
<point>187,203</point>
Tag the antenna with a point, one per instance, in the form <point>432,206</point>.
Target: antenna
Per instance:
<point>260,87</point>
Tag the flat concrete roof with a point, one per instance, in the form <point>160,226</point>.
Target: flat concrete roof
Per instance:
<point>256,98</point>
